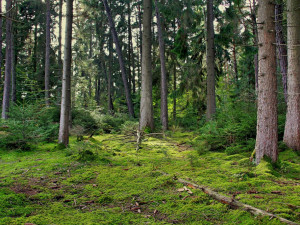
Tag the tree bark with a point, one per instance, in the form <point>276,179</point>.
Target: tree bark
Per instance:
<point>121,61</point>
<point>255,42</point>
<point>109,87</point>
<point>63,137</point>
<point>292,124</point>
<point>164,84</point>
<point>1,40</point>
<point>266,136</point>
<point>281,46</point>
<point>8,61</point>
<point>210,60</point>
<point>146,107</point>
<point>47,56</point>
<point>13,70</point>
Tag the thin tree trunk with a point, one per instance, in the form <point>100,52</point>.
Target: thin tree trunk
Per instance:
<point>121,61</point>
<point>60,31</point>
<point>63,137</point>
<point>130,51</point>
<point>164,82</point>
<point>266,136</point>
<point>235,64</point>
<point>146,107</point>
<point>1,56</point>
<point>109,87</point>
<point>34,57</point>
<point>255,42</point>
<point>13,69</point>
<point>175,88</point>
<point>129,46</point>
<point>140,44</point>
<point>292,124</point>
<point>281,46</point>
<point>47,56</point>
<point>8,61</point>
<point>210,60</point>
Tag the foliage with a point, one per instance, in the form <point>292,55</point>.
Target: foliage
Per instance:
<point>28,124</point>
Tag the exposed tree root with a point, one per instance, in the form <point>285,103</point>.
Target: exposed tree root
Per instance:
<point>231,201</point>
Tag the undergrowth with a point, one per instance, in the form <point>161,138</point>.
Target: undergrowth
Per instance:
<point>104,180</point>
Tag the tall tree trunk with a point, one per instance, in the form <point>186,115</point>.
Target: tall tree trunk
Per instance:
<point>164,82</point>
<point>235,64</point>
<point>1,56</point>
<point>63,137</point>
<point>121,61</point>
<point>210,60</point>
<point>174,90</point>
<point>146,107</point>
<point>281,46</point>
<point>60,31</point>
<point>34,57</point>
<point>13,69</point>
<point>109,86</point>
<point>140,44</point>
<point>266,136</point>
<point>8,61</point>
<point>47,56</point>
<point>253,7</point>
<point>292,124</point>
<point>130,51</point>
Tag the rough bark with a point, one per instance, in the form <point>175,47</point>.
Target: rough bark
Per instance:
<point>281,46</point>
<point>210,60</point>
<point>8,61</point>
<point>13,69</point>
<point>253,7</point>
<point>1,56</point>
<point>47,56</point>
<point>146,107</point>
<point>121,61</point>
<point>163,82</point>
<point>109,86</point>
<point>267,135</point>
<point>292,124</point>
<point>63,137</point>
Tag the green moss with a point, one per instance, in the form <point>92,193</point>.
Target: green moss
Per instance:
<point>107,189</point>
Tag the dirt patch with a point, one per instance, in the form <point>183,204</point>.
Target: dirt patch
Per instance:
<point>24,189</point>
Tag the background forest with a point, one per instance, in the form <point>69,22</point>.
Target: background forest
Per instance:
<point>220,77</point>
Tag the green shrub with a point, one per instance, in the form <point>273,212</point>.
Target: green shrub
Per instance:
<point>27,125</point>
<point>129,127</point>
<point>84,118</point>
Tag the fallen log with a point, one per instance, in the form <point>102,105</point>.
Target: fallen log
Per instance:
<point>231,201</point>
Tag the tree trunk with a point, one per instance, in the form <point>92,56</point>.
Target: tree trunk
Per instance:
<point>63,137</point>
<point>8,61</point>
<point>281,46</point>
<point>140,44</point>
<point>1,56</point>
<point>13,69</point>
<point>130,51</point>
<point>146,107</point>
<point>109,87</point>
<point>175,88</point>
<point>47,56</point>
<point>34,57</point>
<point>121,61</point>
<point>266,136</point>
<point>164,84</point>
<point>255,42</point>
<point>292,124</point>
<point>210,60</point>
<point>235,64</point>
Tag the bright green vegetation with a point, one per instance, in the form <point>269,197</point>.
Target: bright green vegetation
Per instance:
<point>104,180</point>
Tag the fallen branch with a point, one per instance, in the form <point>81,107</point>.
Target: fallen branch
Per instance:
<point>231,201</point>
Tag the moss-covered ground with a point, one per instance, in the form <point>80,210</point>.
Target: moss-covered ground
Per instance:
<point>105,181</point>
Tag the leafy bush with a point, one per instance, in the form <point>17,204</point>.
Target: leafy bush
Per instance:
<point>28,124</point>
<point>110,123</point>
<point>83,118</point>
<point>233,129</point>
<point>129,127</point>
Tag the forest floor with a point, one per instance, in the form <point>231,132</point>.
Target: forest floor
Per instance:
<point>104,180</point>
